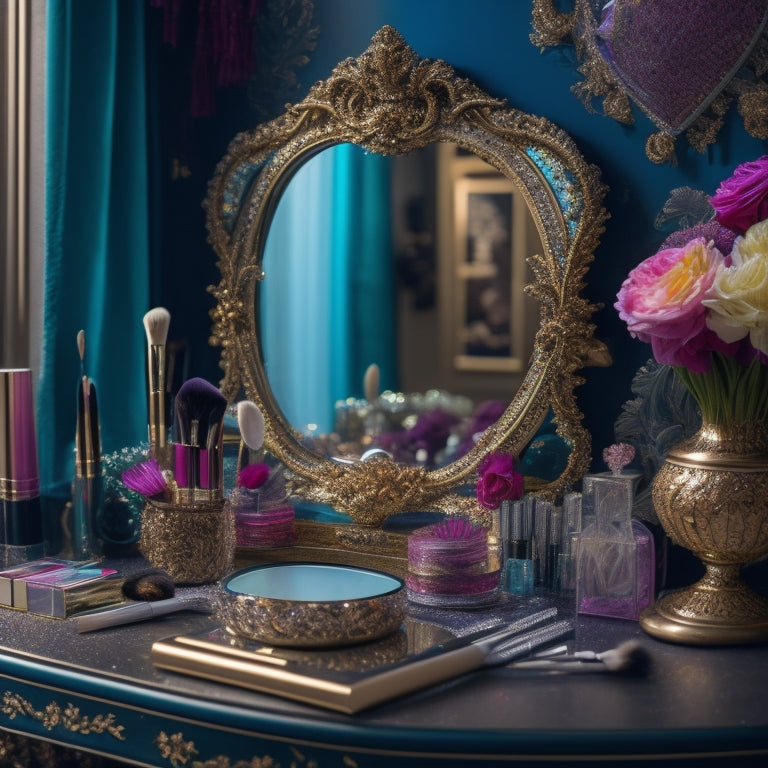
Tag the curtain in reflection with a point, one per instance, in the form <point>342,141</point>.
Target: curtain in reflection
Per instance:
<point>96,272</point>
<point>328,308</point>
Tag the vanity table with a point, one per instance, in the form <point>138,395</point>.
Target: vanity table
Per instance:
<point>99,692</point>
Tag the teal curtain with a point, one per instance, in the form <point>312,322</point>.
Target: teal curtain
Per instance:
<point>96,271</point>
<point>328,308</point>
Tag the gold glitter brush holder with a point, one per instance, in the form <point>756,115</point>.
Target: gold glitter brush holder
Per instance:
<point>192,539</point>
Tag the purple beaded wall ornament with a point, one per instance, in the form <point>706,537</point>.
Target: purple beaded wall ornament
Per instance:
<point>682,62</point>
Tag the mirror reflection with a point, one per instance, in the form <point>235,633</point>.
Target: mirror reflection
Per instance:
<point>415,264</point>
<point>390,103</point>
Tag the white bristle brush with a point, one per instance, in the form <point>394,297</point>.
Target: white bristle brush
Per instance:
<point>156,324</point>
<point>81,351</point>
<point>628,658</point>
<point>250,419</point>
<point>371,383</point>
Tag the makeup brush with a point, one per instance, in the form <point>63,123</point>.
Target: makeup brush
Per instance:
<point>150,584</point>
<point>371,383</point>
<point>250,420</point>
<point>146,478</point>
<point>81,351</point>
<point>156,324</point>
<point>153,591</point>
<point>629,658</point>
<point>87,488</point>
<point>131,613</point>
<point>198,451</point>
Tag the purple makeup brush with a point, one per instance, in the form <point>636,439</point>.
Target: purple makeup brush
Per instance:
<point>146,478</point>
<point>199,417</point>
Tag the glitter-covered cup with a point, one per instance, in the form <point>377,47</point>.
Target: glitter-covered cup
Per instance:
<point>449,562</point>
<point>195,544</point>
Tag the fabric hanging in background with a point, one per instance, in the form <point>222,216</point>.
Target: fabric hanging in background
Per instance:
<point>328,308</point>
<point>96,270</point>
<point>223,46</point>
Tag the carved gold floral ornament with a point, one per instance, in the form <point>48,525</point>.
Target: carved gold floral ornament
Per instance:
<point>181,752</point>
<point>69,717</point>
<point>682,62</point>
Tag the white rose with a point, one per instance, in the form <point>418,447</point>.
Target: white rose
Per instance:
<point>738,298</point>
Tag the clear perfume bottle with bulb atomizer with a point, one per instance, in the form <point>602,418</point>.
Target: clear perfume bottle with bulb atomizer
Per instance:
<point>616,554</point>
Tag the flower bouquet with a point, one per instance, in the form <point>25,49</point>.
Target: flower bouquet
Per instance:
<point>701,302</point>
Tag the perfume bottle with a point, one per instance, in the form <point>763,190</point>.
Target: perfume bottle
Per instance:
<point>616,560</point>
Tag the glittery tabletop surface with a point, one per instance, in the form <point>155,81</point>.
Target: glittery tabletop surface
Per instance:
<point>715,691</point>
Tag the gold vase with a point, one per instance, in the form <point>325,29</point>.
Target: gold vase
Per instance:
<point>711,496</point>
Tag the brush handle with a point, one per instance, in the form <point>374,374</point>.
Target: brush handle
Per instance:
<point>186,463</point>
<point>522,645</point>
<point>135,612</point>
<point>553,665</point>
<point>156,398</point>
<point>84,517</point>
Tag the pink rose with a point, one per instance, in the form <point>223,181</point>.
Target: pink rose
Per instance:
<point>661,303</point>
<point>253,475</point>
<point>742,200</point>
<point>499,480</point>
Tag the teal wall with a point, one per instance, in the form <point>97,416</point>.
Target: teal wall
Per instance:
<point>488,41</point>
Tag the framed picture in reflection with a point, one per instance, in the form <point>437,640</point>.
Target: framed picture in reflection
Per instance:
<point>491,234</point>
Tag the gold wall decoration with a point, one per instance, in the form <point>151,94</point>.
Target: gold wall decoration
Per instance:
<point>684,64</point>
<point>389,101</point>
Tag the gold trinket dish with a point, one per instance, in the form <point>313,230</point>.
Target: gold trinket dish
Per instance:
<point>310,604</point>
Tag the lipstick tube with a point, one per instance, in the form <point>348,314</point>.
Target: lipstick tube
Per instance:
<point>21,521</point>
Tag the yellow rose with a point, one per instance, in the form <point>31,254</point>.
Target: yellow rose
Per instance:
<point>738,298</point>
<point>754,244</point>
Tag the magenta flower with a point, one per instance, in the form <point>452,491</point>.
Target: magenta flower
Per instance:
<point>742,200</point>
<point>253,475</point>
<point>661,303</point>
<point>499,480</point>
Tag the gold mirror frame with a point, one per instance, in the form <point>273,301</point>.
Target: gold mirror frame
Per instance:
<point>389,101</point>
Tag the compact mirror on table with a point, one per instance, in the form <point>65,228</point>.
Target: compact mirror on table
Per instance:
<point>390,102</point>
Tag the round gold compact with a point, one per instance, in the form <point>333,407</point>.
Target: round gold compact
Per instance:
<point>310,605</point>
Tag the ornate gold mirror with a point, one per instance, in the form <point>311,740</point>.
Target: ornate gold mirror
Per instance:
<point>390,102</point>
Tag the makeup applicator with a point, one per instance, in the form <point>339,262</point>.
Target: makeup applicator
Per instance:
<point>629,658</point>
<point>371,383</point>
<point>153,591</point>
<point>87,486</point>
<point>250,420</point>
<point>198,451</point>
<point>156,324</point>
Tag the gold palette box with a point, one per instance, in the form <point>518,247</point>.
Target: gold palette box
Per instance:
<point>61,593</point>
